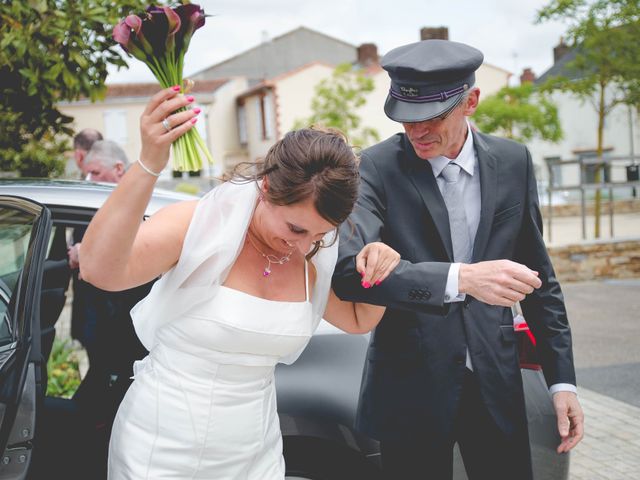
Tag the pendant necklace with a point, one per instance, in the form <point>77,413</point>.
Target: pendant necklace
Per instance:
<point>271,259</point>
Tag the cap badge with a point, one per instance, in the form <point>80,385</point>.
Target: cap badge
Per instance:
<point>409,91</point>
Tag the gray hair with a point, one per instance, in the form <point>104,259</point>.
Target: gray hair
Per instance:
<point>108,153</point>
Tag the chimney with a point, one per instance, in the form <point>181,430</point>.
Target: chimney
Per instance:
<point>527,76</point>
<point>559,50</point>
<point>368,54</point>
<point>434,33</point>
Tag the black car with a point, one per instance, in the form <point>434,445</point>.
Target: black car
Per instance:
<point>44,437</point>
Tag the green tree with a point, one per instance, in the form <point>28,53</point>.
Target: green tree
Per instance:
<point>605,35</point>
<point>51,51</point>
<point>519,113</point>
<point>336,101</point>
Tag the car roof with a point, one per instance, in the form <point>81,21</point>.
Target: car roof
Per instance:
<point>79,193</point>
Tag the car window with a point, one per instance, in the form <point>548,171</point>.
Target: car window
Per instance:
<point>15,233</point>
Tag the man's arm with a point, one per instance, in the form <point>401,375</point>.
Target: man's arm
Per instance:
<point>544,308</point>
<point>546,316</point>
<point>419,286</point>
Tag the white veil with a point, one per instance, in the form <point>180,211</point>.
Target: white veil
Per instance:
<point>212,243</point>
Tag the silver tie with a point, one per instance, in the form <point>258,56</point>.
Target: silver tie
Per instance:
<point>454,200</point>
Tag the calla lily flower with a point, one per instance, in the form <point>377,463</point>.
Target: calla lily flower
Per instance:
<point>174,22</point>
<point>192,18</point>
<point>135,23</point>
<point>160,37</point>
<point>122,35</point>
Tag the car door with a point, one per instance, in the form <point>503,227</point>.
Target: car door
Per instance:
<point>25,228</point>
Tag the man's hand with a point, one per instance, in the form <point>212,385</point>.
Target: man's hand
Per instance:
<point>570,420</point>
<point>497,282</point>
<point>73,253</point>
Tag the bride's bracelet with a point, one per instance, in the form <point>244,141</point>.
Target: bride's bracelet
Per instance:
<point>148,170</point>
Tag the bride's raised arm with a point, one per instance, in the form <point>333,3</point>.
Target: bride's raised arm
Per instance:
<point>118,251</point>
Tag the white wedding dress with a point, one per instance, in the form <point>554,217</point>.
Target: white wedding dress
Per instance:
<point>203,404</point>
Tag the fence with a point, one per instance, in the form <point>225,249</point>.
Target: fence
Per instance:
<point>587,166</point>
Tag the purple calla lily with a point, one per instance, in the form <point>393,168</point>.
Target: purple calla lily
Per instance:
<point>155,26</point>
<point>192,17</point>
<point>160,37</point>
<point>135,23</point>
<point>122,35</point>
<point>173,21</point>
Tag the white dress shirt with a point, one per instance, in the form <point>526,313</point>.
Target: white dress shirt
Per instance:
<point>470,185</point>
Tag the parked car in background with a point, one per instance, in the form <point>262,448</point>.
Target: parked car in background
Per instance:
<point>52,438</point>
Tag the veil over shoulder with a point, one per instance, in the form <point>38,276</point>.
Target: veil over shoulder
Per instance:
<point>213,242</point>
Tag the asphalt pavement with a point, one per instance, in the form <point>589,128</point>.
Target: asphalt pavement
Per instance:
<point>605,322</point>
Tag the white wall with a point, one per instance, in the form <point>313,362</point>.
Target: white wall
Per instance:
<point>580,126</point>
<point>294,93</point>
<point>490,79</point>
<point>222,126</point>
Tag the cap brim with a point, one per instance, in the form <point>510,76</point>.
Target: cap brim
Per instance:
<point>409,112</point>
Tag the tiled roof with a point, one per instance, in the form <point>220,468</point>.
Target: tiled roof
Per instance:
<point>560,68</point>
<point>292,33</point>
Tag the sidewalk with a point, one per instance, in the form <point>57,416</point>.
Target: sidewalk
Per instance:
<point>611,446</point>
<point>568,230</point>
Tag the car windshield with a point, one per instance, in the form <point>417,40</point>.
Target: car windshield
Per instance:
<point>15,233</point>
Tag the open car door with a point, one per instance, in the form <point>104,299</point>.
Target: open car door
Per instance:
<point>25,228</point>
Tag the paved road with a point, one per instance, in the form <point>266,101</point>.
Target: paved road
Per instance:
<point>605,319</point>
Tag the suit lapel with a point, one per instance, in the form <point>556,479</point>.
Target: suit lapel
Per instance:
<point>488,187</point>
<point>421,175</point>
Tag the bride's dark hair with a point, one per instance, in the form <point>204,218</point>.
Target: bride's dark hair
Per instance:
<point>310,163</point>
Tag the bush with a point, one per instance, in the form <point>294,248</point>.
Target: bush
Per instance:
<point>64,371</point>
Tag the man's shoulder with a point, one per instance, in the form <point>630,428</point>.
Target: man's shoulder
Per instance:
<point>393,145</point>
<point>498,145</point>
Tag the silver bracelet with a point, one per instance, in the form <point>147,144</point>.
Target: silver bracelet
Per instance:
<point>148,170</point>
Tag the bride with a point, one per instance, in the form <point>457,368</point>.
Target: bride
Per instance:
<point>245,279</point>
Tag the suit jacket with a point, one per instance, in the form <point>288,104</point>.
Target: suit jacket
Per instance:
<point>415,364</point>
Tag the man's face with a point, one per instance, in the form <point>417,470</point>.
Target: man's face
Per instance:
<point>78,156</point>
<point>442,136</point>
<point>97,172</point>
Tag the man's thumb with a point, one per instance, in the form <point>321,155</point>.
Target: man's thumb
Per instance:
<point>563,425</point>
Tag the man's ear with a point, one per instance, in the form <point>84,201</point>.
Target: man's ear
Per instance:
<point>120,170</point>
<point>78,156</point>
<point>472,102</point>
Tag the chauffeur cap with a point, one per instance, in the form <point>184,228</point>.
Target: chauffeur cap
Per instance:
<point>428,78</point>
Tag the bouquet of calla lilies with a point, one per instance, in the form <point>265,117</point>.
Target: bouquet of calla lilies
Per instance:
<point>160,38</point>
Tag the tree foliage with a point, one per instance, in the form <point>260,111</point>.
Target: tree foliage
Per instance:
<point>336,102</point>
<point>520,113</point>
<point>51,51</point>
<point>605,71</point>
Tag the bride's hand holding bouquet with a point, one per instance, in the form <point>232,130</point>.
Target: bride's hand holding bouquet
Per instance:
<point>160,37</point>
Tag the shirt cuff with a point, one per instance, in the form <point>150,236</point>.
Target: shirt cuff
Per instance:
<point>562,387</point>
<point>451,293</point>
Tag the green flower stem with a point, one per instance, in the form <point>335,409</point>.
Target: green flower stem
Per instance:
<point>188,148</point>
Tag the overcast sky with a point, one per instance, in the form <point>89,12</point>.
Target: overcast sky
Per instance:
<point>503,30</point>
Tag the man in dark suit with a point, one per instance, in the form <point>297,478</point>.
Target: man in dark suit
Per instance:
<point>462,210</point>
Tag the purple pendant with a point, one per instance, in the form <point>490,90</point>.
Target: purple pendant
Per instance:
<point>266,272</point>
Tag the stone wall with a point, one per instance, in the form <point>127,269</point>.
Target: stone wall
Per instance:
<point>597,260</point>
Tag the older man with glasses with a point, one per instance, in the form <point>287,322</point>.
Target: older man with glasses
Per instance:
<point>462,210</point>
